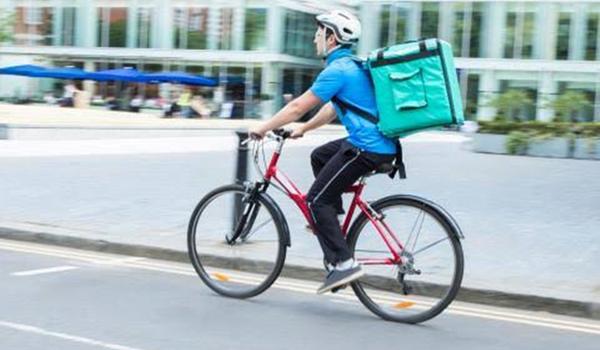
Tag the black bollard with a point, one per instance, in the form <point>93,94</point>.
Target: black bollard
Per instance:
<point>241,173</point>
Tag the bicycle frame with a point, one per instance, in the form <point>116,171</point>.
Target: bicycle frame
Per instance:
<point>396,248</point>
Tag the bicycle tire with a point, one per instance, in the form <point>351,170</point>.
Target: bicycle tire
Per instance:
<point>197,259</point>
<point>450,228</point>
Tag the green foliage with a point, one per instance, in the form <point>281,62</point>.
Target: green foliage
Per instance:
<point>568,105</point>
<point>517,142</point>
<point>118,34</point>
<point>6,24</point>
<point>510,103</point>
<point>554,129</point>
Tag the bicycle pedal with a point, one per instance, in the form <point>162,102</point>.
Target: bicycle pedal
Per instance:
<point>337,289</point>
<point>308,228</point>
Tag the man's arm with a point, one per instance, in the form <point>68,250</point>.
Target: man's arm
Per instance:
<point>325,115</point>
<point>290,113</point>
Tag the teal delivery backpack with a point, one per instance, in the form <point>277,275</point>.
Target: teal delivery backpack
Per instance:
<point>416,87</point>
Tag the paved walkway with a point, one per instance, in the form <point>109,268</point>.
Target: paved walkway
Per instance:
<point>530,222</point>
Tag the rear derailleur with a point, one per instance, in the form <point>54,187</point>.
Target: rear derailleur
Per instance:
<point>407,267</point>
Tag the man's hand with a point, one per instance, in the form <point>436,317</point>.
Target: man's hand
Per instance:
<point>297,133</point>
<point>257,132</point>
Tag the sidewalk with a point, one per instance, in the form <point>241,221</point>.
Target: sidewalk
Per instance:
<point>43,117</point>
<point>45,202</point>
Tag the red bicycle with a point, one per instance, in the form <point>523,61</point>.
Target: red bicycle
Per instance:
<point>409,247</point>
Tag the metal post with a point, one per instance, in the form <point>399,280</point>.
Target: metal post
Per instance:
<point>3,131</point>
<point>241,172</point>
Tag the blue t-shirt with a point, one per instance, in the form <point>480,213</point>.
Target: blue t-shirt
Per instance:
<point>346,80</point>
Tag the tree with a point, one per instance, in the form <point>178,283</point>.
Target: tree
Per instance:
<point>511,104</point>
<point>568,105</point>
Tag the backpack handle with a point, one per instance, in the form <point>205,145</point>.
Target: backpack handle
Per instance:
<point>421,41</point>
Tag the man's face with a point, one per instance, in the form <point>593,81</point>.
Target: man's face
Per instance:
<point>318,40</point>
<point>320,43</point>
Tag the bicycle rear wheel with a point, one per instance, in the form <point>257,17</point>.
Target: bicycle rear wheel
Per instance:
<point>430,274</point>
<point>235,242</point>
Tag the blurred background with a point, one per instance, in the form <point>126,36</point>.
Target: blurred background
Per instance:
<point>521,59</point>
<point>530,81</point>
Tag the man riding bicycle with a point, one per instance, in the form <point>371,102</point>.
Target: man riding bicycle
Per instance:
<point>346,91</point>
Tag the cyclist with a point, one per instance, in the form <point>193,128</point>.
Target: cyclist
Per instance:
<point>347,92</point>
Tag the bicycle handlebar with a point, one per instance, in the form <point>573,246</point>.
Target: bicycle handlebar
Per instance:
<point>275,134</point>
<point>282,133</point>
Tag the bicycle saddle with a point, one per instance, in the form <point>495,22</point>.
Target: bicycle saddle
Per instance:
<point>384,168</point>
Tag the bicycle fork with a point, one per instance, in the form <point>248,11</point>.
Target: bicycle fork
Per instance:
<point>249,206</point>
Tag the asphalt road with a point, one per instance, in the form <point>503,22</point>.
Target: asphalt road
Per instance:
<point>530,223</point>
<point>57,298</point>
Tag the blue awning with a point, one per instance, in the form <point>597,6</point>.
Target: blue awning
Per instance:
<point>179,78</point>
<point>27,70</point>
<point>122,74</point>
<point>64,73</point>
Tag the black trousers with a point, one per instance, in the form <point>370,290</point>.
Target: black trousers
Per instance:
<point>336,166</point>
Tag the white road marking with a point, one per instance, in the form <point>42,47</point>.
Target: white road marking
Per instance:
<point>44,271</point>
<point>69,337</point>
<point>120,261</point>
<point>309,287</point>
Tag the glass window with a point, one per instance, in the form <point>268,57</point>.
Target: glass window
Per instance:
<point>69,24</point>
<point>430,19</point>
<point>518,42</point>
<point>112,27</point>
<point>191,28</point>
<point>299,34</point>
<point>467,29</point>
<point>562,36</point>
<point>33,26</point>
<point>144,27</point>
<point>472,96</point>
<point>509,40</point>
<point>255,29</point>
<point>226,32</point>
<point>394,18</point>
<point>591,42</point>
<point>528,35</point>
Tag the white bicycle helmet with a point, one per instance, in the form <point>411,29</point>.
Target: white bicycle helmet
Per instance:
<point>344,25</point>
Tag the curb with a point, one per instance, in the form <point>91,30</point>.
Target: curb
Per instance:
<point>589,310</point>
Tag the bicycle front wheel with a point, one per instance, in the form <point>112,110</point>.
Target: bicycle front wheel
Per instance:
<point>427,277</point>
<point>235,242</point>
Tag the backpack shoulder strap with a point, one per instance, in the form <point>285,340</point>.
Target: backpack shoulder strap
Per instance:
<point>344,106</point>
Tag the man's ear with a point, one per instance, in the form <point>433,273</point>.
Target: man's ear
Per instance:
<point>331,40</point>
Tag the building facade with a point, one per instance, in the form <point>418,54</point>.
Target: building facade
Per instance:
<point>543,48</point>
<point>268,44</point>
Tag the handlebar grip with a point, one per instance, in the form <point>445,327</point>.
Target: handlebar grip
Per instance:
<point>282,133</point>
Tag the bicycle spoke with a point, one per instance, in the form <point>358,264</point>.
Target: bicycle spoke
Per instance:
<point>417,288</point>
<point>422,216</point>
<point>412,230</point>
<point>429,246</point>
<point>258,250</point>
<point>263,224</point>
